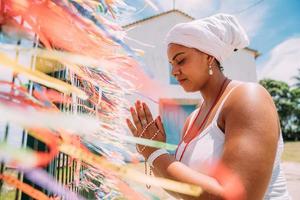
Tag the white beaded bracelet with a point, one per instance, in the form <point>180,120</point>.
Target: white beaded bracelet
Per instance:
<point>155,154</point>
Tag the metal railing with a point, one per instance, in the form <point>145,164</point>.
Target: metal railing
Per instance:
<point>62,167</point>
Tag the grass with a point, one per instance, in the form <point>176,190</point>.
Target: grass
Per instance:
<point>8,192</point>
<point>9,195</point>
<point>291,152</point>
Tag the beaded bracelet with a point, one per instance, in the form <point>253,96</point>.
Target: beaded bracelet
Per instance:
<point>147,126</point>
<point>144,147</point>
<point>154,155</point>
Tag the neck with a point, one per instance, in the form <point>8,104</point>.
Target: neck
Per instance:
<point>211,90</point>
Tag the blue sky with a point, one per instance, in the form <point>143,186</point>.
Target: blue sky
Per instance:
<point>272,25</point>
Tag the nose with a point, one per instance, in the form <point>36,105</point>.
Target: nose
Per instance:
<point>175,70</point>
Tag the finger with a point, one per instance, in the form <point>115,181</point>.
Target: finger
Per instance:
<point>148,113</point>
<point>136,120</point>
<point>160,125</point>
<point>131,127</point>
<point>141,113</point>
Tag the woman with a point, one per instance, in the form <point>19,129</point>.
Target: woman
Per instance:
<point>236,125</point>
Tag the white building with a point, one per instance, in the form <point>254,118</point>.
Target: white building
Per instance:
<point>165,91</point>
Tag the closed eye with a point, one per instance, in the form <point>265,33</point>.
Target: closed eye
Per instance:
<point>181,62</point>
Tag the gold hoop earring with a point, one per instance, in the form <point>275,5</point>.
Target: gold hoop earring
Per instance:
<point>210,71</point>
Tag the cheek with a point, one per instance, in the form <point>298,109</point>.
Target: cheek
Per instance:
<point>196,69</point>
<point>198,75</point>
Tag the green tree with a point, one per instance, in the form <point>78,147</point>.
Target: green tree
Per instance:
<point>297,78</point>
<point>295,117</point>
<point>286,100</point>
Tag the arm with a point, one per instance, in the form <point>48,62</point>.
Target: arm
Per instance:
<point>167,160</point>
<point>251,134</point>
<point>251,138</point>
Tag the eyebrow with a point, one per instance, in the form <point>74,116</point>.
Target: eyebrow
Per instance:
<point>177,55</point>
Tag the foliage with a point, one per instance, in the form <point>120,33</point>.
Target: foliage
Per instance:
<point>287,101</point>
<point>297,78</point>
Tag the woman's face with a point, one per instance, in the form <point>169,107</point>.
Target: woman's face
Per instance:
<point>189,66</point>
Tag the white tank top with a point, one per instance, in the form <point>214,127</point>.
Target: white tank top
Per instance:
<point>207,147</point>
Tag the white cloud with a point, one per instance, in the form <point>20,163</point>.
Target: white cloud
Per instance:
<point>251,19</point>
<point>195,8</point>
<point>283,62</point>
<point>163,4</point>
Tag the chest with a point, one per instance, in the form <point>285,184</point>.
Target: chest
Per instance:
<point>201,120</point>
<point>204,149</point>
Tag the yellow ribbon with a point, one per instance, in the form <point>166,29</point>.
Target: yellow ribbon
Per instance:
<point>40,77</point>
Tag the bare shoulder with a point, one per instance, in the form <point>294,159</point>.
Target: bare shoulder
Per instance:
<point>249,97</point>
<point>254,89</point>
<point>250,106</point>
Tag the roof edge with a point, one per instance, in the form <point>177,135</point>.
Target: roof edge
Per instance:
<point>256,53</point>
<point>157,15</point>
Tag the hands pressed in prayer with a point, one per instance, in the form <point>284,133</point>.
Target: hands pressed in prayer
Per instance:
<point>145,126</point>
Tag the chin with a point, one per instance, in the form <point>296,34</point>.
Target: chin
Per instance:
<point>188,89</point>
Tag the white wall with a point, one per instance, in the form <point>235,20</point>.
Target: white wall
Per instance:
<point>241,66</point>
<point>15,132</point>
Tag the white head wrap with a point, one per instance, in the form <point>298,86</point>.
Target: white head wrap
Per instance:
<point>218,35</point>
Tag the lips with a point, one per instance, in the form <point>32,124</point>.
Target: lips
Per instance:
<point>181,80</point>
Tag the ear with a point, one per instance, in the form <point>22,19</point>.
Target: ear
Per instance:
<point>210,60</point>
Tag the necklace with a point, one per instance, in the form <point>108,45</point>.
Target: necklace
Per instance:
<point>204,120</point>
